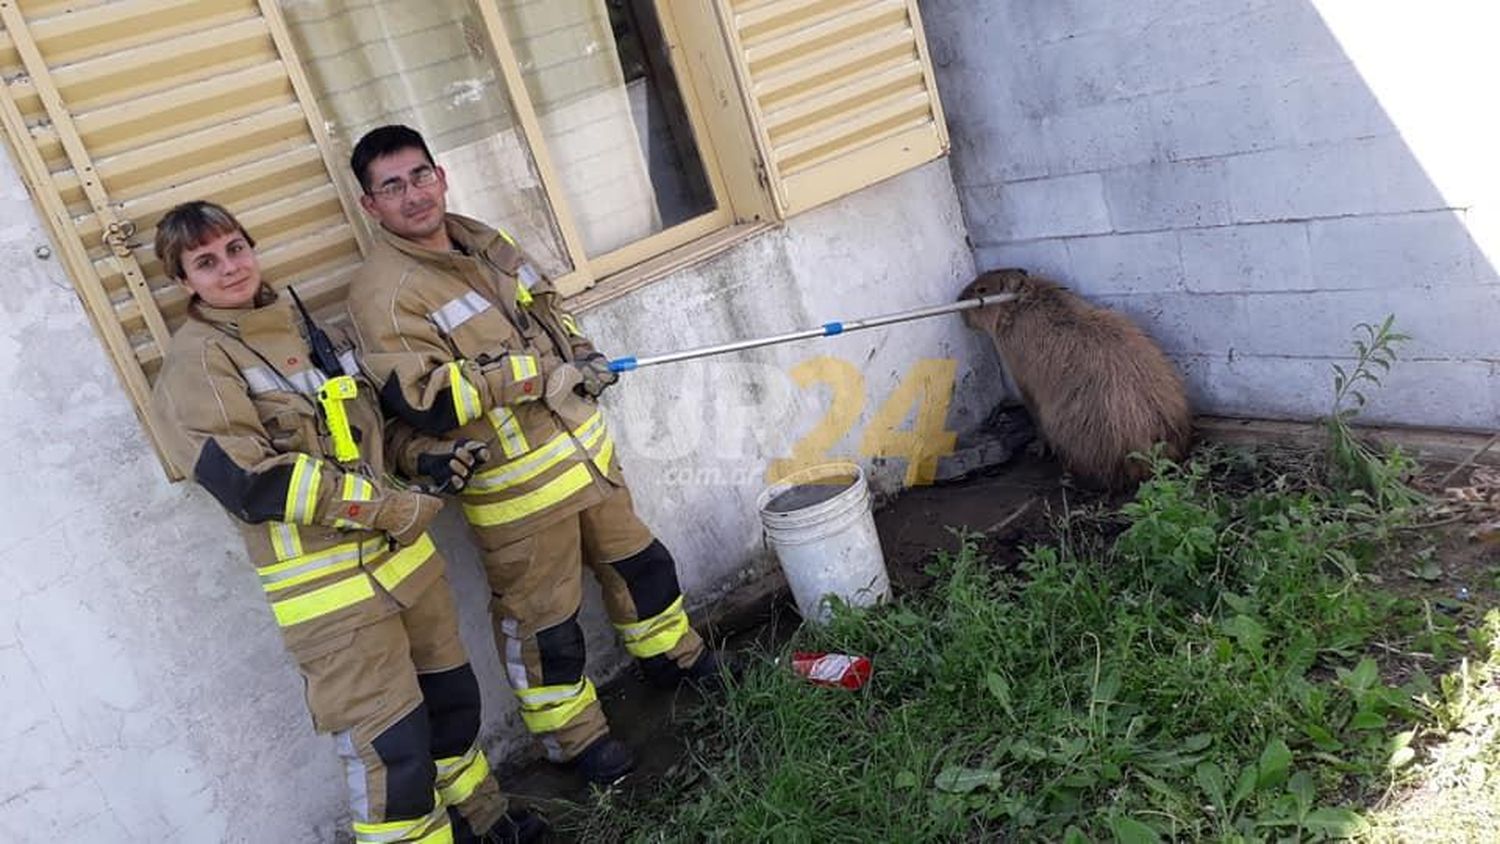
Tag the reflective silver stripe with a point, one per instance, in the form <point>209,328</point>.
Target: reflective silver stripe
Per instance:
<point>641,629</point>
<point>302,497</point>
<point>523,367</point>
<point>515,666</point>
<point>465,397</point>
<point>357,488</point>
<point>319,561</point>
<point>504,476</point>
<point>459,763</point>
<point>512,440</point>
<point>390,832</point>
<point>286,540</point>
<point>308,380</point>
<point>261,380</point>
<point>501,477</point>
<point>550,694</point>
<point>459,311</point>
<point>528,275</point>
<point>348,362</point>
<point>355,775</point>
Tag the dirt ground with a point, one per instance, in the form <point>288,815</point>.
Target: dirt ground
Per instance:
<point>1011,507</point>
<point>1009,504</point>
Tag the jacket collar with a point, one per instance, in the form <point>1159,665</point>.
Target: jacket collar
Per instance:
<point>470,235</point>
<point>268,306</point>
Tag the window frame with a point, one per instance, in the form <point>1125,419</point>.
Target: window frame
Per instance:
<point>702,67</point>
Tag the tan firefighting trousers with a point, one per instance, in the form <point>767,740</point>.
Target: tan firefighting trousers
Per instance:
<point>536,589</point>
<point>402,704</point>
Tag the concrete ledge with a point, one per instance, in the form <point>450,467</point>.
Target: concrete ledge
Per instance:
<point>1440,444</point>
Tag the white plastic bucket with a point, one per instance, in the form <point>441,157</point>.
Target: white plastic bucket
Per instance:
<point>819,522</point>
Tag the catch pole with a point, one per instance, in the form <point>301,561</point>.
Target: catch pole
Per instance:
<point>828,329</point>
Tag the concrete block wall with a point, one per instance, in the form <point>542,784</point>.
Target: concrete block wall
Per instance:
<point>1248,179</point>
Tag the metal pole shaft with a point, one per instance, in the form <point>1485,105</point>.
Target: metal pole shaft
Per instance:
<point>827,330</point>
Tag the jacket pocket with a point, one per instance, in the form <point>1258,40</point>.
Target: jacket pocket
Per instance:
<point>290,430</point>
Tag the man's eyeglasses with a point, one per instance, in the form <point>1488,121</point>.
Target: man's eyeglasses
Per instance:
<point>396,188</point>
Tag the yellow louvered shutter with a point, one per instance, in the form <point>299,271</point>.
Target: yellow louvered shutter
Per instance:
<point>841,92</point>
<point>116,111</point>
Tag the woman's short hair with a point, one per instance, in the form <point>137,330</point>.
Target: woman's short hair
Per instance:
<point>190,225</point>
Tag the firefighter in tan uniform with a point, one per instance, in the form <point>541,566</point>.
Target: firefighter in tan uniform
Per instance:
<point>468,341</point>
<point>354,582</point>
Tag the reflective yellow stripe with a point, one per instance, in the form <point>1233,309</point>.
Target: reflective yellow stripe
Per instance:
<point>570,325</point>
<point>355,488</point>
<point>504,512</point>
<point>432,828</point>
<point>285,575</point>
<point>458,776</point>
<point>302,492</point>
<point>286,540</point>
<point>320,602</point>
<point>508,429</point>
<point>465,397</point>
<point>523,367</point>
<point>401,564</point>
<point>312,573</point>
<point>549,708</point>
<point>601,460</point>
<point>555,451</point>
<point>655,635</point>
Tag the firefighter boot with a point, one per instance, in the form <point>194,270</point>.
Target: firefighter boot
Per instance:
<point>518,826</point>
<point>605,762</point>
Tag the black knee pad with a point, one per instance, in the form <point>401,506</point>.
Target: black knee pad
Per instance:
<point>562,652</point>
<point>452,699</point>
<point>651,577</point>
<point>405,748</point>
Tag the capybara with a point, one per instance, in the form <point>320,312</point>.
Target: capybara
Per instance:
<point>1097,387</point>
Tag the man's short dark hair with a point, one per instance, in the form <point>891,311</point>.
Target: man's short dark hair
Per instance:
<point>382,141</point>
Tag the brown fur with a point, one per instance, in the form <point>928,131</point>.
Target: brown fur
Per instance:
<point>1097,387</point>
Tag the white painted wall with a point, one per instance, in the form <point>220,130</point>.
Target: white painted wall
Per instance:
<point>1249,179</point>
<point>144,693</point>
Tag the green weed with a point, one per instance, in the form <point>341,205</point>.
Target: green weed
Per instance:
<point>1354,465</point>
<point>1206,674</point>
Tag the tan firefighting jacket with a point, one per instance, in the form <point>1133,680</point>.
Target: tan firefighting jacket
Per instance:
<point>237,400</point>
<point>462,343</point>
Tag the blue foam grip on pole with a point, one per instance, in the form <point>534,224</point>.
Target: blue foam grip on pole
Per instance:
<point>622,364</point>
<point>832,328</point>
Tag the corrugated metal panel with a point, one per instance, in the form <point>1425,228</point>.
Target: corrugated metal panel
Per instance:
<point>120,110</point>
<point>841,91</point>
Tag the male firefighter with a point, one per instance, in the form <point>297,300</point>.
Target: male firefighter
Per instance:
<point>273,417</point>
<point>468,341</point>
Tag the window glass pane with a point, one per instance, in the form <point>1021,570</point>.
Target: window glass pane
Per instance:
<point>429,64</point>
<point>612,115</point>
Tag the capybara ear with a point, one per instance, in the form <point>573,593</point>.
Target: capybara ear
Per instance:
<point>980,286</point>
<point>1007,280</point>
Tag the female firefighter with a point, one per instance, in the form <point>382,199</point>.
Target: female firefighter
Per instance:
<point>275,420</point>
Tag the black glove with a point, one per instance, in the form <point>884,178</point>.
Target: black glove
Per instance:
<point>596,374</point>
<point>451,468</point>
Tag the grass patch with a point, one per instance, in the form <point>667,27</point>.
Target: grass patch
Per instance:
<point>1205,662</point>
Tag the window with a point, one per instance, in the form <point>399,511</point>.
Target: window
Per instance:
<point>608,135</point>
